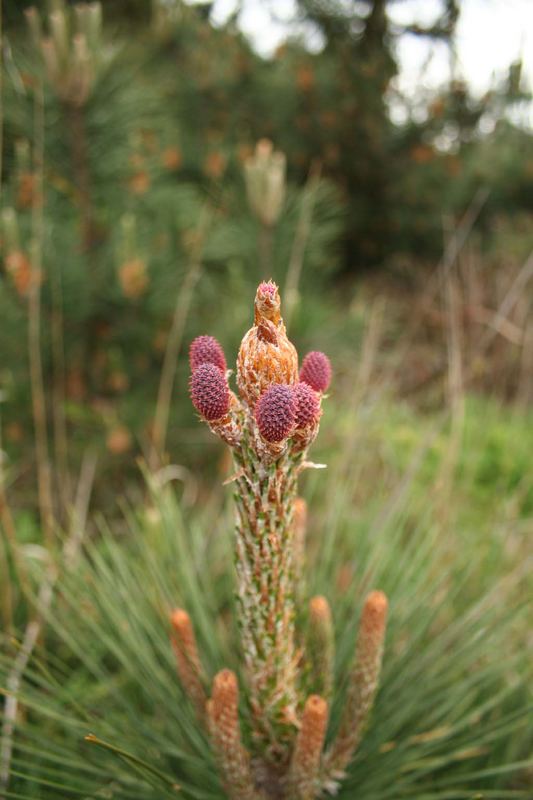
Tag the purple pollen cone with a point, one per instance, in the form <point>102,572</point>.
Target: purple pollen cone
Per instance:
<point>267,287</point>
<point>210,392</point>
<point>316,371</point>
<point>275,412</point>
<point>307,405</point>
<point>206,350</point>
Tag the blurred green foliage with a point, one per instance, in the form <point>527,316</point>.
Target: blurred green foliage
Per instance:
<point>138,183</point>
<point>171,115</point>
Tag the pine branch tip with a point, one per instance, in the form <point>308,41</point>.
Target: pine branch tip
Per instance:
<point>319,607</point>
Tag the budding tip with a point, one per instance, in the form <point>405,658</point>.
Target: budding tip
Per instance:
<point>319,607</point>
<point>225,681</point>
<point>267,288</point>
<point>179,619</point>
<point>226,675</point>
<point>267,303</point>
<point>377,602</point>
<point>374,616</point>
<point>316,705</point>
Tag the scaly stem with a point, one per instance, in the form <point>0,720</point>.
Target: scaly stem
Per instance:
<point>265,576</point>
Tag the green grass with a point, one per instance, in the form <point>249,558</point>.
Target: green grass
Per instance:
<point>446,543</point>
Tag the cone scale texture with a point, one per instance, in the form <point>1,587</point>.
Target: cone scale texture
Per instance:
<point>269,426</point>
<point>206,350</point>
<point>210,392</point>
<point>275,413</point>
<point>316,371</point>
<point>266,355</point>
<point>307,405</point>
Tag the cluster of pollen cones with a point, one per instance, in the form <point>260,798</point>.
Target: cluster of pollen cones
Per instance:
<point>288,684</point>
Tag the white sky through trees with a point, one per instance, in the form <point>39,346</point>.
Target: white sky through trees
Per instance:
<point>491,34</point>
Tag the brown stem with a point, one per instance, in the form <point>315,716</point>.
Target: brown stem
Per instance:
<point>59,420</point>
<point>75,117</point>
<point>34,332</point>
<point>265,601</point>
<point>80,164</point>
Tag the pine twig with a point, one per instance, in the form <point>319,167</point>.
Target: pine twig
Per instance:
<point>233,758</point>
<point>272,425</point>
<point>305,764</point>
<point>321,646</point>
<point>362,687</point>
<point>188,661</point>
